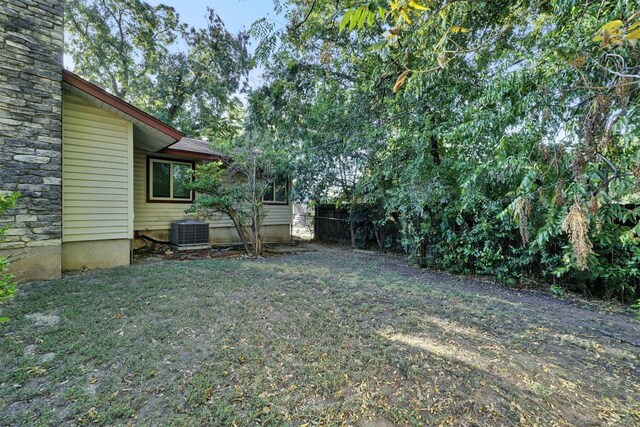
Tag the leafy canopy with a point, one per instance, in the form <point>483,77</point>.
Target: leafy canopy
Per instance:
<point>501,136</point>
<point>144,54</point>
<point>236,186</point>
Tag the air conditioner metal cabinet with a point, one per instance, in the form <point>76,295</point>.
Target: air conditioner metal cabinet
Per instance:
<point>189,234</point>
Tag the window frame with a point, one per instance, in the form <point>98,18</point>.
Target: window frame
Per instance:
<point>274,201</point>
<point>150,161</point>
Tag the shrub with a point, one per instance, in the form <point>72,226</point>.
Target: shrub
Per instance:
<point>7,282</point>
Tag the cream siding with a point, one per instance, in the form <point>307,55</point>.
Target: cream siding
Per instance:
<point>158,215</point>
<point>278,214</point>
<point>97,173</point>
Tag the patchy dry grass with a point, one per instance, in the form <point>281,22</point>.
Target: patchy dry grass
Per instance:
<point>324,338</point>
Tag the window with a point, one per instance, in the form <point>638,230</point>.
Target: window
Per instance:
<point>277,192</point>
<point>169,180</point>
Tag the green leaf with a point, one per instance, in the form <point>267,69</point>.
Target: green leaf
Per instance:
<point>378,46</point>
<point>345,19</point>
<point>381,12</point>
<point>416,5</point>
<point>633,35</point>
<point>457,29</point>
<point>372,18</point>
<point>355,17</point>
<point>610,29</point>
<point>363,17</point>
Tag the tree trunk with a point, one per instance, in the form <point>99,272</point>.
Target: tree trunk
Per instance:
<point>258,244</point>
<point>256,224</point>
<point>379,233</point>
<point>242,233</point>
<point>434,150</point>
<point>256,221</point>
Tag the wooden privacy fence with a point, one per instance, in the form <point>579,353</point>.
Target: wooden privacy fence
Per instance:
<point>336,225</point>
<point>331,224</point>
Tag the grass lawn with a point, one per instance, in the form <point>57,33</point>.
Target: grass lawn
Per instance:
<point>321,338</point>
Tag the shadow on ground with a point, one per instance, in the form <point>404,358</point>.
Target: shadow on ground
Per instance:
<point>328,337</point>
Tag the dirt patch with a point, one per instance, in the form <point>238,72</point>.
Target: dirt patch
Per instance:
<point>48,357</point>
<point>166,253</point>
<point>40,319</point>
<point>571,315</point>
<point>30,350</point>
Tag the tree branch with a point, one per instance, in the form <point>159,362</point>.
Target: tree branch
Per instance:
<point>313,5</point>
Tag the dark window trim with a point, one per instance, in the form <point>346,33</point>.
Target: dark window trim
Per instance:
<point>148,178</point>
<point>273,202</point>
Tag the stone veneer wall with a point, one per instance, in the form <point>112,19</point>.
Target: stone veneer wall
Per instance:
<point>31,49</point>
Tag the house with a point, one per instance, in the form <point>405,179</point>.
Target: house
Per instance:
<point>96,173</point>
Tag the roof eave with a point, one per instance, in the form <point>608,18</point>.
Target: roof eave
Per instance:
<point>128,109</point>
<point>192,154</point>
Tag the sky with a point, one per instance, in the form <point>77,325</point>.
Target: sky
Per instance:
<point>236,14</point>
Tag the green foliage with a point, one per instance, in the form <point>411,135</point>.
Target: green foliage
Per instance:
<point>636,309</point>
<point>7,282</point>
<point>235,187</point>
<point>371,229</point>
<point>146,55</point>
<point>557,290</point>
<point>502,136</point>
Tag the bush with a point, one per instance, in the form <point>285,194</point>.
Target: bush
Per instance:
<point>7,282</point>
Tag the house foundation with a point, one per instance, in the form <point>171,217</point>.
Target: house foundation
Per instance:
<point>34,262</point>
<point>95,254</point>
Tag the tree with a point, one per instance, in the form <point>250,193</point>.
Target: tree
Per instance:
<point>7,282</point>
<point>145,55</point>
<point>236,188</point>
<point>501,136</point>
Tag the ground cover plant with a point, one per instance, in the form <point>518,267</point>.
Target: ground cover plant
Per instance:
<point>329,337</point>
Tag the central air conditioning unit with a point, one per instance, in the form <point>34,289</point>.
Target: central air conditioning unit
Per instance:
<point>189,234</point>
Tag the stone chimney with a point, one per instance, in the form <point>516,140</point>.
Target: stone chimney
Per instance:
<point>31,49</point>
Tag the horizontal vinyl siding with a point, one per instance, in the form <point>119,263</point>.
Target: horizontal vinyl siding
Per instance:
<point>151,216</point>
<point>278,214</point>
<point>158,216</point>
<point>96,173</point>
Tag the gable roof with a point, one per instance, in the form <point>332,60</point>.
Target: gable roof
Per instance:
<point>150,133</point>
<point>194,148</point>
